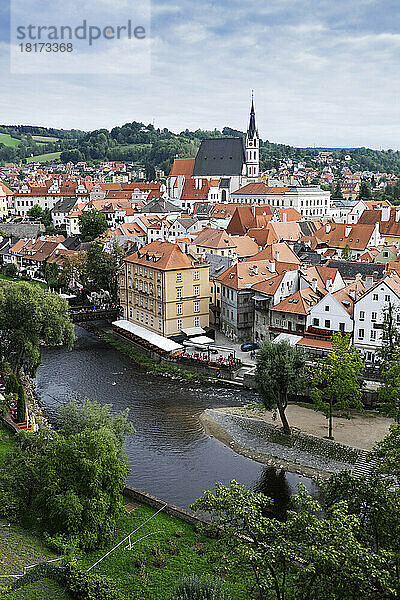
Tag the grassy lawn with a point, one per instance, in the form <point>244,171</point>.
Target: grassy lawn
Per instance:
<point>7,140</point>
<point>44,589</point>
<point>6,441</point>
<point>44,138</point>
<point>45,157</point>
<point>155,564</point>
<point>39,283</point>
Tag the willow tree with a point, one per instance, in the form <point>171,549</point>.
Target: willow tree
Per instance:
<point>29,318</point>
<point>279,374</point>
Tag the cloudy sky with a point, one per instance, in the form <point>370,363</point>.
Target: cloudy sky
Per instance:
<point>324,72</point>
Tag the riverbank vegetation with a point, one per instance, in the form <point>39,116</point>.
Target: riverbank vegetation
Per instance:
<point>149,363</point>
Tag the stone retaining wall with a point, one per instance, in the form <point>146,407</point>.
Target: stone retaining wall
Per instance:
<point>170,509</point>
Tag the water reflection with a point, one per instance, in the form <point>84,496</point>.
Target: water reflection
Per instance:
<point>169,455</point>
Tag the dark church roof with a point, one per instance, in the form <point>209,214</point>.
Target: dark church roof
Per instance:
<point>220,157</point>
<point>252,124</point>
<point>349,269</point>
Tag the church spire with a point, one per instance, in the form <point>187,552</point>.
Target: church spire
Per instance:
<point>252,124</point>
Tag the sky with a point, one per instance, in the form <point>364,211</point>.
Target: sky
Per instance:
<point>324,72</point>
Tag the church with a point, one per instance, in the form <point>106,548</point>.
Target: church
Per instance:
<point>233,162</point>
<point>221,166</point>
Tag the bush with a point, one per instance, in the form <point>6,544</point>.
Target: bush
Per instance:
<point>61,544</point>
<point>200,587</point>
<point>12,384</point>
<point>10,270</point>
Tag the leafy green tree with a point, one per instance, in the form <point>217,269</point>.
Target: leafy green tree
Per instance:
<point>21,405</point>
<point>390,339</point>
<point>10,270</point>
<point>69,486</point>
<point>92,223</point>
<point>365,192</point>
<point>93,416</point>
<point>102,268</point>
<point>307,555</point>
<point>30,317</point>
<point>338,191</point>
<point>336,383</point>
<point>280,372</point>
<point>387,454</point>
<point>36,212</point>
<point>51,275</point>
<point>389,391</point>
<point>347,253</point>
<point>12,384</point>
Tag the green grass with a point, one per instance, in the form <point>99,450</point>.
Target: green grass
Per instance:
<point>39,283</point>
<point>7,140</point>
<point>7,441</point>
<point>181,550</point>
<point>44,589</point>
<point>44,138</point>
<point>19,548</point>
<point>45,157</point>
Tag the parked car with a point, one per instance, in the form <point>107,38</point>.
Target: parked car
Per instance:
<point>248,346</point>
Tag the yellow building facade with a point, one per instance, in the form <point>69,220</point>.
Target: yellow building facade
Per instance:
<point>164,289</point>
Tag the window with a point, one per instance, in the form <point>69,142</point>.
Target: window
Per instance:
<point>147,319</point>
<point>158,276</point>
<point>141,317</point>
<point>122,281</point>
<point>341,327</point>
<point>361,334</point>
<point>196,307</point>
<point>362,315</point>
<point>373,316</point>
<point>179,309</point>
<point>179,293</point>
<point>137,315</point>
<point>373,334</point>
<point>159,291</point>
<point>196,275</point>
<point>179,324</point>
<point>151,274</point>
<point>326,308</point>
<point>327,323</point>
<point>130,312</point>
<point>145,272</point>
<point>122,296</point>
<point>315,322</point>
<point>151,320</point>
<point>196,290</point>
<point>196,321</point>
<point>179,276</point>
<point>140,271</point>
<point>375,297</point>
<point>135,270</point>
<point>159,324</point>
<point>387,298</point>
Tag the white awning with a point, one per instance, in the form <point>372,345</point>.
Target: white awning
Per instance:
<point>148,336</point>
<point>202,339</point>
<point>287,337</point>
<point>189,331</point>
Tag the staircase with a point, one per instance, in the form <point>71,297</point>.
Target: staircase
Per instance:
<point>363,464</point>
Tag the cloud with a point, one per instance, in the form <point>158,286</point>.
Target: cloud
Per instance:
<point>324,73</point>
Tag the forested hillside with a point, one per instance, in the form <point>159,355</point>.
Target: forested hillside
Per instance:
<point>156,148</point>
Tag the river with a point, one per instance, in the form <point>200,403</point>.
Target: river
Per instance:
<point>169,454</point>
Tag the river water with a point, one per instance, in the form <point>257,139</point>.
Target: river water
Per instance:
<point>169,454</point>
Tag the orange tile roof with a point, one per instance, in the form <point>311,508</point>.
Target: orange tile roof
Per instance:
<point>214,238</point>
<point>244,275</point>
<point>300,302</point>
<point>163,256</point>
<point>182,166</point>
<point>279,251</point>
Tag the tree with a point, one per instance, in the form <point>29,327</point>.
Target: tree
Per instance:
<point>389,391</point>
<point>30,317</point>
<point>338,191</point>
<point>279,374</point>
<point>51,275</point>
<point>307,556</point>
<point>390,339</point>
<point>347,253</point>
<point>10,270</point>
<point>102,268</point>
<point>365,191</point>
<point>92,223</point>
<point>336,382</point>
<point>70,486</point>
<point>36,212</point>
<point>21,405</point>
<point>387,454</point>
<point>93,416</point>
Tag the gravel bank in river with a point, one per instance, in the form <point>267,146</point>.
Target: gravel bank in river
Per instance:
<point>261,441</point>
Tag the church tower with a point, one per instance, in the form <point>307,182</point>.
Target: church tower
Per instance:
<point>252,145</point>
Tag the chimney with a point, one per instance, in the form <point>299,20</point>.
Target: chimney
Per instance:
<point>385,213</point>
<point>253,210</point>
<point>347,231</point>
<point>284,217</point>
<point>314,284</point>
<point>369,282</point>
<point>255,269</point>
<point>358,277</point>
<point>352,294</point>
<point>276,255</point>
<point>327,228</point>
<point>329,284</point>
<point>271,266</point>
<point>397,214</point>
